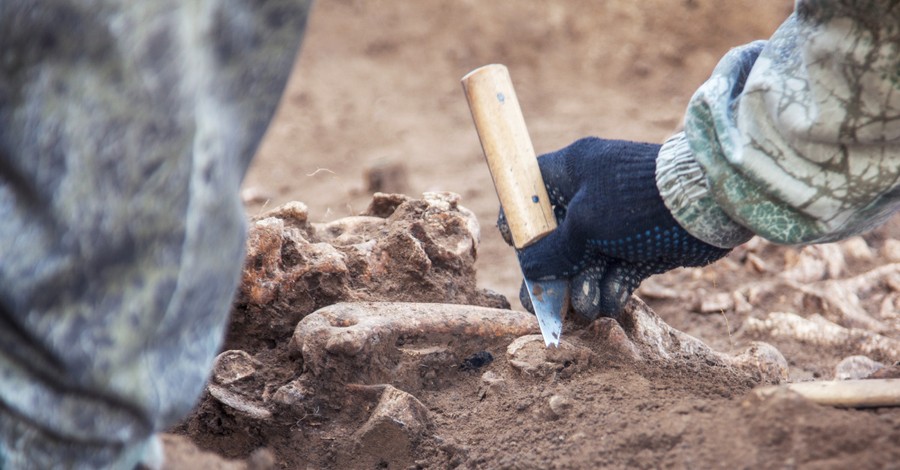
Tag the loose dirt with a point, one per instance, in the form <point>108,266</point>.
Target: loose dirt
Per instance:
<point>375,105</point>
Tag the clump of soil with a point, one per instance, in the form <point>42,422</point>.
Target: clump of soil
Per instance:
<point>399,249</point>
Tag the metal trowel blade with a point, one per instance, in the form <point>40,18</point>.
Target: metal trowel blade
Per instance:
<point>550,300</point>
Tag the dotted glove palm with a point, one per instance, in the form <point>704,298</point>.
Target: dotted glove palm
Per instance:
<point>614,229</point>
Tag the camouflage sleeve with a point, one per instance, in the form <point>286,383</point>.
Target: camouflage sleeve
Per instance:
<point>125,131</point>
<point>796,139</point>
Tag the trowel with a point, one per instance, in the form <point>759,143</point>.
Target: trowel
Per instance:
<point>518,181</point>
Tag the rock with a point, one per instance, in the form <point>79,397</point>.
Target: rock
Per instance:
<point>559,405</point>
<point>293,213</point>
<point>396,342</point>
<point>717,303</point>
<point>765,360</point>
<point>529,355</point>
<point>389,437</point>
<point>399,249</point>
<point>741,305</point>
<point>293,393</point>
<point>232,366</point>
<point>651,288</point>
<point>856,367</point>
<point>492,383</point>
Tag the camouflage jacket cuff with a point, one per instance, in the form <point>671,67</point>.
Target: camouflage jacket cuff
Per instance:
<point>685,191</point>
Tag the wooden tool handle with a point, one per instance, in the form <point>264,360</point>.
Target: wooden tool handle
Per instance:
<point>509,153</point>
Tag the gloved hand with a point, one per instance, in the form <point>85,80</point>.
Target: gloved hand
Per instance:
<point>614,230</point>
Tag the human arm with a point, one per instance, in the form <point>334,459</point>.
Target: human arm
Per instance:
<point>793,139</point>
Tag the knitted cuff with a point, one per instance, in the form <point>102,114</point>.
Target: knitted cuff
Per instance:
<point>685,191</point>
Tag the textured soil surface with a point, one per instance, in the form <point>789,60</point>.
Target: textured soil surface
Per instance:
<point>375,105</point>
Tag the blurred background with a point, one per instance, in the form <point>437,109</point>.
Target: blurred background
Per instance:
<point>375,103</point>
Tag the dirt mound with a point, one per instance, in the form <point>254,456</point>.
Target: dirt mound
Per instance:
<point>375,105</point>
<point>295,267</point>
<point>358,382</point>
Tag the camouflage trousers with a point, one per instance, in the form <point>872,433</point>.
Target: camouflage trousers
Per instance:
<point>125,131</point>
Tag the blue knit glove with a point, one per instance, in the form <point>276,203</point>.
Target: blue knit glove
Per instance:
<point>614,230</point>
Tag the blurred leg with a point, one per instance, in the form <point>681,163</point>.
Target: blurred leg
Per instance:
<point>125,131</point>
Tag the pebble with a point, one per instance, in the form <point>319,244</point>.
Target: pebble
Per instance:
<point>233,365</point>
<point>856,367</point>
<point>560,405</point>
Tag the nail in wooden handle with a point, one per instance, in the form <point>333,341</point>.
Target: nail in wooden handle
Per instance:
<point>509,153</point>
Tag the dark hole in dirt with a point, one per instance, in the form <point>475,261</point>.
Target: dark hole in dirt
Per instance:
<point>477,361</point>
<point>290,256</point>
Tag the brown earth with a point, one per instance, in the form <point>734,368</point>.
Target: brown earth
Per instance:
<point>375,105</point>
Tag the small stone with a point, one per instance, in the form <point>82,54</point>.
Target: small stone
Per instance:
<point>293,213</point>
<point>763,361</point>
<point>491,378</point>
<point>292,393</point>
<point>491,383</point>
<point>396,426</point>
<point>741,305</point>
<point>654,290</point>
<point>856,367</point>
<point>560,405</point>
<point>529,355</point>
<point>232,366</point>
<point>717,303</point>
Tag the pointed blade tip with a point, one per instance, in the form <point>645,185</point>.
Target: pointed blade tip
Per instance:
<point>549,299</point>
